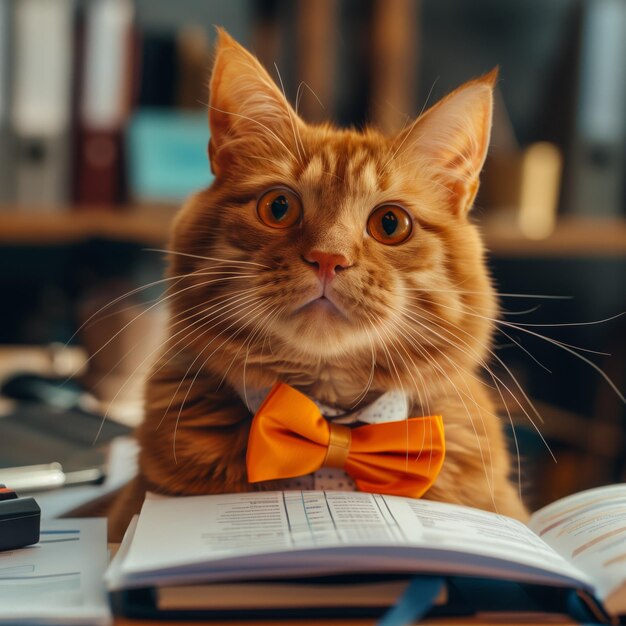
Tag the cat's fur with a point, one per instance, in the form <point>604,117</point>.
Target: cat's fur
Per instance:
<point>416,316</point>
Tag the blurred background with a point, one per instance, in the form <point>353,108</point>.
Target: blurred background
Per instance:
<point>103,133</point>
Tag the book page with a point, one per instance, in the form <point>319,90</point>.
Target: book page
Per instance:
<point>589,530</point>
<point>258,534</point>
<point>193,529</point>
<point>465,529</point>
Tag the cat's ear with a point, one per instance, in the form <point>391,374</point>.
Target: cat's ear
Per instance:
<point>452,139</point>
<point>247,111</point>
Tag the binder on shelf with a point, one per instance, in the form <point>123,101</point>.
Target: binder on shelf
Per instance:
<point>193,62</point>
<point>6,161</point>
<point>599,153</point>
<point>40,111</point>
<point>104,101</point>
<point>157,77</point>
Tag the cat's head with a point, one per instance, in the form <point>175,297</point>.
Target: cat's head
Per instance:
<point>334,245</point>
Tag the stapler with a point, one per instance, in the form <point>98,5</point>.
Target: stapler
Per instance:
<point>20,519</point>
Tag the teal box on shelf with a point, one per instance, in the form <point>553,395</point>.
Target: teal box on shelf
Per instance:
<point>167,152</point>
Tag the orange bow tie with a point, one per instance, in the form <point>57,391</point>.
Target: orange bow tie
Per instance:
<point>290,437</point>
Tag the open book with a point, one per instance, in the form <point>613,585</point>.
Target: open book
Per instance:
<point>332,549</point>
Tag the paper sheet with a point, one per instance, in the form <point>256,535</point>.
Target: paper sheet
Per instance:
<point>60,579</point>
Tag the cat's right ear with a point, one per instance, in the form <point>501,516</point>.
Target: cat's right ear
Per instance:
<point>248,114</point>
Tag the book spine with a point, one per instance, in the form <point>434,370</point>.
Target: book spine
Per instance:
<point>104,102</point>
<point>599,159</point>
<point>395,32</point>
<point>41,104</point>
<point>316,52</point>
<point>193,62</point>
<point>6,162</point>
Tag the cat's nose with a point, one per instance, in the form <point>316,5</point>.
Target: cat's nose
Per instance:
<point>326,264</point>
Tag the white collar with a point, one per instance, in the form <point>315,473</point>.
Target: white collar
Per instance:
<point>392,406</point>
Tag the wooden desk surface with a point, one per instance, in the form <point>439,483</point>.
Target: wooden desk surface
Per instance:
<point>349,622</point>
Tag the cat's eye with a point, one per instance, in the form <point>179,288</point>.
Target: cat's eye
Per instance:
<point>389,224</point>
<point>279,208</point>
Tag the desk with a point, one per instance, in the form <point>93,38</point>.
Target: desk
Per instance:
<point>349,622</point>
<point>470,621</point>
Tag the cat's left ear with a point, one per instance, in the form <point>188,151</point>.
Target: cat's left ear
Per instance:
<point>451,139</point>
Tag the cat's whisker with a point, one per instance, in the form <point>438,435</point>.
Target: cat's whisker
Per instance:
<point>458,391</point>
<point>566,324</point>
<point>264,328</point>
<point>397,150</point>
<point>298,95</point>
<point>471,354</point>
<point>333,175</point>
<point>427,290</point>
<point>266,337</point>
<point>234,307</point>
<point>423,400</point>
<point>258,157</point>
<point>390,362</point>
<point>557,342</point>
<point>128,294</point>
<point>236,311</point>
<point>296,138</point>
<point>572,350</point>
<point>410,371</point>
<point>488,369</point>
<point>129,378</point>
<point>206,313</point>
<point>355,402</point>
<point>524,349</point>
<point>263,126</point>
<point>564,346</point>
<point>438,369</point>
<point>257,329</point>
<point>524,312</point>
<point>153,306</point>
<point>398,377</point>
<point>156,301</point>
<point>311,91</point>
<point>121,310</point>
<point>253,305</point>
<point>218,299</point>
<point>206,258</point>
<point>481,410</point>
<point>393,156</point>
<point>263,307</point>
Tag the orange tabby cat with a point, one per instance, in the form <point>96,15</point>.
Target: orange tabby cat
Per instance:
<point>284,269</point>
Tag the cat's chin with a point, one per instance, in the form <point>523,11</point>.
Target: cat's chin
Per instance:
<point>321,329</point>
<point>322,308</point>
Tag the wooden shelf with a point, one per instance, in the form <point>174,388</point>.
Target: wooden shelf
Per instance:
<point>141,223</point>
<point>572,237</point>
<point>147,224</point>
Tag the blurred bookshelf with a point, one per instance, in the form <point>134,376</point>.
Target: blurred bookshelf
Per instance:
<point>128,130</point>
